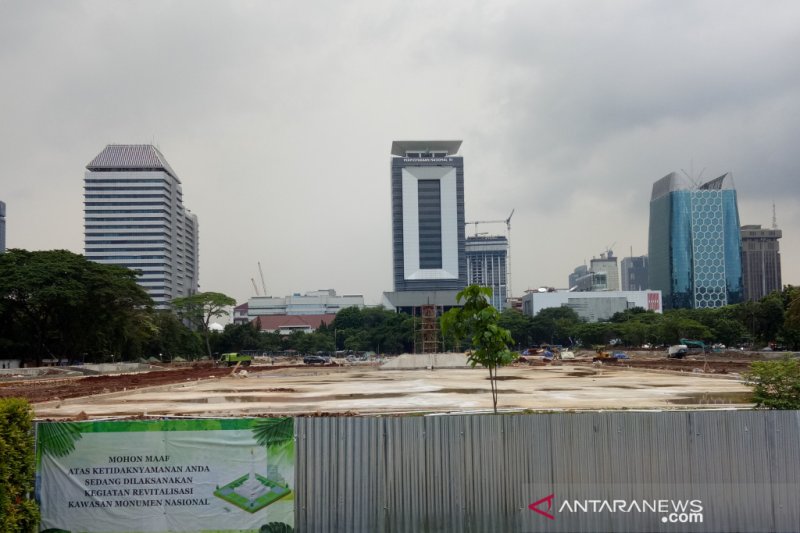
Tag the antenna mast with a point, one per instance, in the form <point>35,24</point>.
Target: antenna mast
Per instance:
<point>774,218</point>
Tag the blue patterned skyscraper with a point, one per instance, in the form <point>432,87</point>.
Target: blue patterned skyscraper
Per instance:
<point>694,243</point>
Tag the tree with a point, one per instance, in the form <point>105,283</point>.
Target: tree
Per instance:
<point>776,384</point>
<point>519,325</point>
<point>200,308</point>
<point>18,511</point>
<point>57,304</point>
<point>554,325</point>
<point>791,324</point>
<point>490,342</point>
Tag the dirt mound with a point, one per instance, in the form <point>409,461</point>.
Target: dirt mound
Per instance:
<point>430,360</point>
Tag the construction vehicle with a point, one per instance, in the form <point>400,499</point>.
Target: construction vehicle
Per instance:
<point>695,347</point>
<point>677,351</point>
<point>231,359</point>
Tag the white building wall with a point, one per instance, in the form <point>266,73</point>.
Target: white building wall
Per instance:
<point>316,303</point>
<point>606,301</point>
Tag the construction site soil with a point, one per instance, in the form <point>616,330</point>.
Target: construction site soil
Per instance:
<point>645,380</point>
<point>55,387</point>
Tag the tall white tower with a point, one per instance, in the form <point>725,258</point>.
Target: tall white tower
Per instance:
<point>134,217</point>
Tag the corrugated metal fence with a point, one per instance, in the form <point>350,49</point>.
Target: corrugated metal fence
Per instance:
<point>481,472</point>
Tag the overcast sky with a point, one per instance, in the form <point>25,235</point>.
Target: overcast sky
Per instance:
<point>279,116</point>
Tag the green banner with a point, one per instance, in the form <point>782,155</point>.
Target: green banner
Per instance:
<point>216,475</point>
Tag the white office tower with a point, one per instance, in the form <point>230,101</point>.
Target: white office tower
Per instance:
<point>134,217</point>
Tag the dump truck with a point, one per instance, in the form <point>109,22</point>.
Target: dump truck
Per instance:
<point>231,359</point>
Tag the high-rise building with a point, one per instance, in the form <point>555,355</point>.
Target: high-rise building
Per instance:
<point>579,272</point>
<point>694,243</point>
<point>487,267</point>
<point>2,227</point>
<point>607,263</point>
<point>761,261</point>
<point>634,273</point>
<point>134,217</point>
<point>429,260</point>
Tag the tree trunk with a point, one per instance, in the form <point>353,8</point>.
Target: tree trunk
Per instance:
<point>493,382</point>
<point>208,345</point>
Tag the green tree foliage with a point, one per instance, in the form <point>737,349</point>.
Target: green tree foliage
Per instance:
<point>18,511</point>
<point>56,304</point>
<point>198,309</point>
<point>554,325</point>
<point>374,329</point>
<point>173,338</point>
<point>776,384</point>
<point>519,325</point>
<point>480,321</point>
<point>596,333</point>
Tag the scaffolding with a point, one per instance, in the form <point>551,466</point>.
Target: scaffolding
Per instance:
<point>426,330</point>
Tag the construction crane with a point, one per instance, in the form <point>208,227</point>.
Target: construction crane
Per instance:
<point>263,285</point>
<point>507,222</point>
<point>255,288</point>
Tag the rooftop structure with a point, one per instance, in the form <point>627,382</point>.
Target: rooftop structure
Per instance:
<point>607,264</point>
<point>320,302</point>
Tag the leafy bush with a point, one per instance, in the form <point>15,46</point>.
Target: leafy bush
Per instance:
<point>18,511</point>
<point>776,384</point>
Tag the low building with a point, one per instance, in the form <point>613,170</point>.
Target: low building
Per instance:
<point>287,324</point>
<point>240,314</point>
<point>320,302</point>
<point>592,306</point>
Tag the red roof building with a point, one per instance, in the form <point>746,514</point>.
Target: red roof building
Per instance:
<point>286,324</point>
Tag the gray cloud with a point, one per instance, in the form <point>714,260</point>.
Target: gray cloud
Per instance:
<point>278,118</point>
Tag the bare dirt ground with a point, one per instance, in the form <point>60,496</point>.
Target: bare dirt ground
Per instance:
<point>60,388</point>
<point>648,380</point>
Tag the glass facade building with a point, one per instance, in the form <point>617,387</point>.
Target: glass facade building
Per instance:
<point>694,243</point>
<point>487,266</point>
<point>134,217</point>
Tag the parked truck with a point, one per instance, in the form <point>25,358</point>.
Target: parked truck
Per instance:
<point>231,359</point>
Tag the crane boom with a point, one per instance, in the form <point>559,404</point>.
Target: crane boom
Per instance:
<point>263,285</point>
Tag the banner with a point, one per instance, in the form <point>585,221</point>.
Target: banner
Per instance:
<point>158,476</point>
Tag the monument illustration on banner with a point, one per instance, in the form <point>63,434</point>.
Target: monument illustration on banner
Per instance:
<point>252,492</point>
